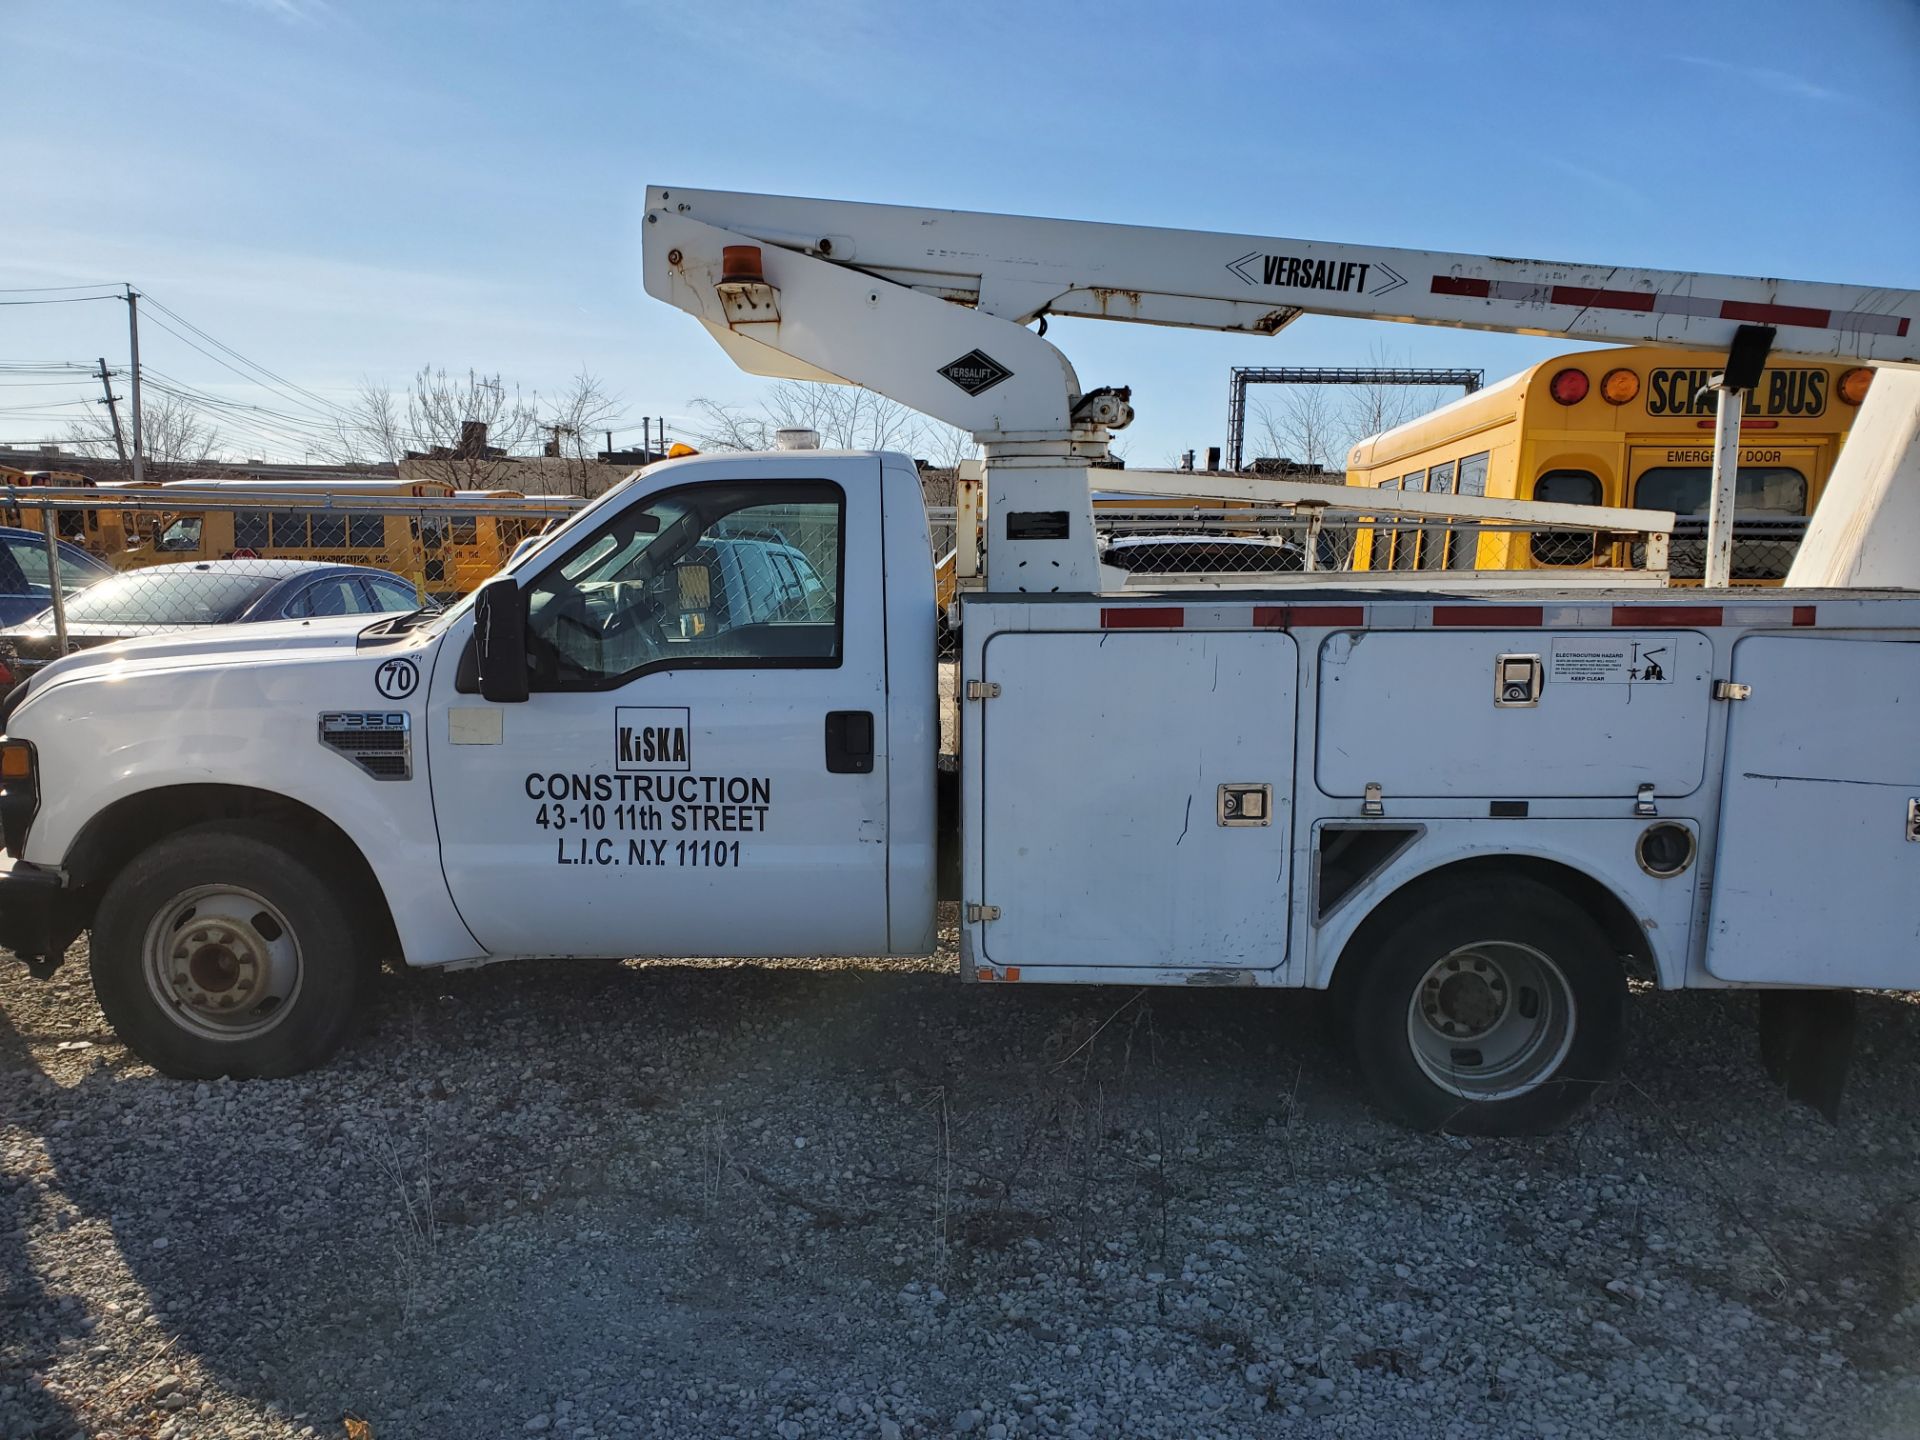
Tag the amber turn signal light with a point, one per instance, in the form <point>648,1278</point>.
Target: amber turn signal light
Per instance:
<point>1617,387</point>
<point>1853,385</point>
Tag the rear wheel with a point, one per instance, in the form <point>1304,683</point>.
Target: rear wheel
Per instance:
<point>1496,1007</point>
<point>223,951</point>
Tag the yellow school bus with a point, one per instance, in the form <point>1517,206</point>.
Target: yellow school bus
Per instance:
<point>475,545</point>
<point>1627,427</point>
<point>98,532</point>
<point>389,540</point>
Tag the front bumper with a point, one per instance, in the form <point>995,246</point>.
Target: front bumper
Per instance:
<point>39,915</point>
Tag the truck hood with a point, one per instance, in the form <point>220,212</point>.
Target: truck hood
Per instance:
<point>213,645</point>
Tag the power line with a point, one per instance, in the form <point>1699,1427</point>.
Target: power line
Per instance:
<point>320,400</point>
<point>250,379</point>
<point>43,289</point>
<point>69,300</point>
<point>167,384</point>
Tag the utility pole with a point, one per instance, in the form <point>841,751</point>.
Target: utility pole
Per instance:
<point>113,409</point>
<point>133,332</point>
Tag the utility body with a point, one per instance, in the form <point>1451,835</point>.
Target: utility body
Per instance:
<point>703,717</point>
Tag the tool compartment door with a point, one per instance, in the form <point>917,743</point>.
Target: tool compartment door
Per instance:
<point>1102,837</point>
<point>1817,881</point>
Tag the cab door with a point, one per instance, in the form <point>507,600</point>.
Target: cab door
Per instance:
<point>696,771</point>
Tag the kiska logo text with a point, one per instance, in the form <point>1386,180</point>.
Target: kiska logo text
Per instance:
<point>651,737</point>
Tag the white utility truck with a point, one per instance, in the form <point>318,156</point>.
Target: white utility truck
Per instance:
<point>1472,816</point>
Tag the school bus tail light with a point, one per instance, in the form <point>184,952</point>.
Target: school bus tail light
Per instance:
<point>1617,387</point>
<point>1853,384</point>
<point>1569,386</point>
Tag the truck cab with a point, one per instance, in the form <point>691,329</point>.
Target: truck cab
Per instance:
<point>725,745</point>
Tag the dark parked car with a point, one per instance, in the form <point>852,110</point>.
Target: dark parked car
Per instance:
<point>167,599</point>
<point>1212,555</point>
<point>25,589</point>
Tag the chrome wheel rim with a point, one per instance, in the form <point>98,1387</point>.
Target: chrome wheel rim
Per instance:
<point>223,962</point>
<point>1491,1020</point>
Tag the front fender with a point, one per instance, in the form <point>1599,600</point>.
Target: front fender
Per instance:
<point>108,736</point>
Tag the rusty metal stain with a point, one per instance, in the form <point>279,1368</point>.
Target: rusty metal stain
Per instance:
<point>1106,295</point>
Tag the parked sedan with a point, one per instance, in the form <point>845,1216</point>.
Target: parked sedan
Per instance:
<point>1209,555</point>
<point>25,586</point>
<point>166,599</point>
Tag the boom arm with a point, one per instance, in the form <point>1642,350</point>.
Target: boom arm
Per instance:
<point>1020,268</point>
<point>930,307</point>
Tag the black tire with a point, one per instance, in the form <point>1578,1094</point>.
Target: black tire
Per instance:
<point>1450,958</point>
<point>180,1032</point>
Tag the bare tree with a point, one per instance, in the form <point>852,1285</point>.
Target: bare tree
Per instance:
<point>846,417</point>
<point>467,429</point>
<point>174,437</point>
<point>1372,408</point>
<point>572,422</point>
<point>369,431</point>
<point>1302,427</point>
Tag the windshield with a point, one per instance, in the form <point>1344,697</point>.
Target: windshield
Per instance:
<point>518,561</point>
<point>169,595</point>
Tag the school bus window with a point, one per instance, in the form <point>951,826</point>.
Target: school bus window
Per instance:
<point>249,529</point>
<point>1382,556</point>
<point>1463,544</point>
<point>286,530</point>
<point>1473,474</point>
<point>1688,489</point>
<point>183,534</point>
<point>1565,487</point>
<point>1406,543</point>
<point>366,531</point>
<point>463,529</point>
<point>1436,551</point>
<point>329,532</point>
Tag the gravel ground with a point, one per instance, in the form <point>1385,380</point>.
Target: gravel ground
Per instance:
<point>714,1200</point>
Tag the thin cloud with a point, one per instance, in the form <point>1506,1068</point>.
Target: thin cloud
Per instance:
<point>1610,183</point>
<point>292,12</point>
<point>1779,81</point>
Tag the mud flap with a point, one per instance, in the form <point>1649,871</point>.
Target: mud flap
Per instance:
<point>1806,1043</point>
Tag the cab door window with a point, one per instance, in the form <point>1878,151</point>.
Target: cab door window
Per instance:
<point>688,579</point>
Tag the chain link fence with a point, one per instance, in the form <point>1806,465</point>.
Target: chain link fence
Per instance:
<point>1764,548</point>
<point>159,559</point>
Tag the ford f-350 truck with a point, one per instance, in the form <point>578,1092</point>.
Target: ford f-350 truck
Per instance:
<point>1474,818</point>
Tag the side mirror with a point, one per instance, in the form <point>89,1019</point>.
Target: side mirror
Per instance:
<point>500,640</point>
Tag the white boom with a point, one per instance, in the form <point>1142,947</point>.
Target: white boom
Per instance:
<point>930,307</point>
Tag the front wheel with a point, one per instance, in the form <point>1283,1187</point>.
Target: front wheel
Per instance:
<point>222,951</point>
<point>1496,1007</point>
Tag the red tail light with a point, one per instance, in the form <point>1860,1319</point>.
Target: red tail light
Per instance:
<point>1569,387</point>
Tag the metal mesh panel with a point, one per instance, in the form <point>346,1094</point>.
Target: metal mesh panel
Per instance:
<point>164,559</point>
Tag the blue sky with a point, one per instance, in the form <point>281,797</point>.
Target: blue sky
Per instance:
<point>352,188</point>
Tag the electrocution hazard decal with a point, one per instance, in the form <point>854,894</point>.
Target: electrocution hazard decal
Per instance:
<point>1611,660</point>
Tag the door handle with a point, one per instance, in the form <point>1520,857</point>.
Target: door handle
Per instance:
<point>850,742</point>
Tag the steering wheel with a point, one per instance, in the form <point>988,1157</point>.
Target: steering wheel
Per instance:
<point>641,617</point>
